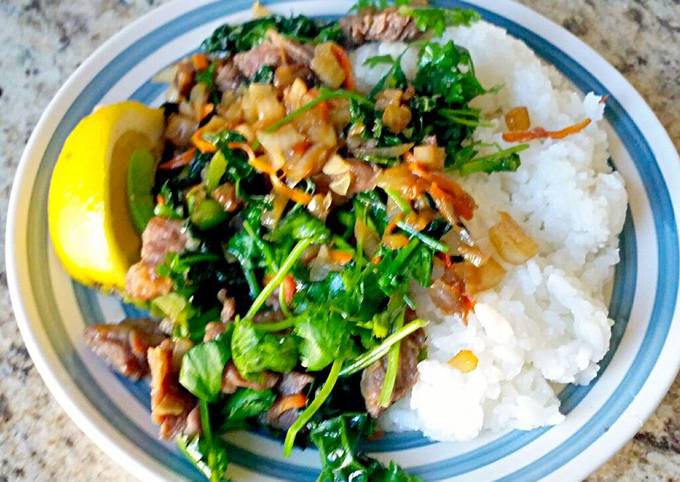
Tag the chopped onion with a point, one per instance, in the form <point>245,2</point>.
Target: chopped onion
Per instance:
<point>279,142</point>
<point>320,205</point>
<point>429,156</point>
<point>166,76</point>
<point>510,240</point>
<point>481,278</point>
<point>271,217</point>
<point>336,165</point>
<point>340,183</point>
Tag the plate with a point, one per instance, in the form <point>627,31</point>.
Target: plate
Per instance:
<point>52,310</point>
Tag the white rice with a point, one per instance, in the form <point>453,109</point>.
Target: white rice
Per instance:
<point>547,323</point>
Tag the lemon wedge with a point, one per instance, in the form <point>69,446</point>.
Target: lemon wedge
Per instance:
<point>89,219</point>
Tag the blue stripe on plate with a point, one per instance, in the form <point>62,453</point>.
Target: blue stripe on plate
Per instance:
<point>624,288</point>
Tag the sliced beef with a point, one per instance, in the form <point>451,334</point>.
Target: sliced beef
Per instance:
<point>213,330</point>
<point>228,306</point>
<point>124,345</point>
<point>253,60</point>
<point>162,236</point>
<point>282,421</point>
<point>385,26</point>
<point>373,377</point>
<point>232,380</point>
<point>364,177</point>
<point>144,284</point>
<point>294,382</point>
<point>171,404</point>
<point>228,77</point>
<point>297,53</point>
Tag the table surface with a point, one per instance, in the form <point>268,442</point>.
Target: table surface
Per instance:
<point>43,43</point>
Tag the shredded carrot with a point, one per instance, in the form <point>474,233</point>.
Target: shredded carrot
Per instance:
<point>178,161</point>
<point>160,200</point>
<point>244,147</point>
<point>291,193</point>
<point>289,288</point>
<point>395,241</point>
<point>202,145</point>
<point>262,164</point>
<point>297,400</point>
<point>376,259</point>
<point>463,204</point>
<point>541,133</point>
<point>340,257</point>
<point>207,110</point>
<point>200,61</point>
<point>343,60</point>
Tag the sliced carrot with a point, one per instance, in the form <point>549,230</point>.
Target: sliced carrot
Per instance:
<point>297,400</point>
<point>201,144</point>
<point>179,160</point>
<point>200,61</point>
<point>343,59</point>
<point>541,133</point>
<point>289,288</point>
<point>207,110</point>
<point>291,193</point>
<point>340,257</point>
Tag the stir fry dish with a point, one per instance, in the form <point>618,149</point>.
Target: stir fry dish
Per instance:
<point>279,216</point>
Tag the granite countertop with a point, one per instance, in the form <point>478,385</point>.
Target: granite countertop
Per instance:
<point>44,41</point>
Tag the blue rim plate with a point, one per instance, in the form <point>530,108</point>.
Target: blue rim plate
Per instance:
<point>51,310</point>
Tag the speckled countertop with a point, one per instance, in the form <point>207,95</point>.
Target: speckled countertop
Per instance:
<point>43,41</point>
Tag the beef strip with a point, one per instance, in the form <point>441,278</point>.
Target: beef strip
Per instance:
<point>228,77</point>
<point>160,237</point>
<point>253,60</point>
<point>294,382</point>
<point>373,377</point>
<point>384,26</point>
<point>281,421</point>
<point>171,404</point>
<point>232,380</point>
<point>124,345</point>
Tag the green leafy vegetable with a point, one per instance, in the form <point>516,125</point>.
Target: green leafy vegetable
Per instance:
<point>300,224</point>
<point>254,351</point>
<point>446,70</point>
<point>230,39</point>
<point>264,76</point>
<point>237,170</point>
<point>326,336</point>
<point>437,19</point>
<point>201,451</point>
<point>393,79</point>
<point>246,403</point>
<point>503,160</point>
<point>207,76</point>
<point>338,442</point>
<point>202,367</point>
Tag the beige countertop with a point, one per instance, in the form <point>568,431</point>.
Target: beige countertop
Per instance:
<point>44,41</point>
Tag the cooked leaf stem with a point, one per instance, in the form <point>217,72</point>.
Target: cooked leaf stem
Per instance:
<point>375,354</point>
<point>427,240</point>
<point>286,266</point>
<point>309,412</point>
<point>385,396</point>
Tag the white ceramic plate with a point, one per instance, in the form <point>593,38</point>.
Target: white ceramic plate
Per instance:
<point>52,310</point>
